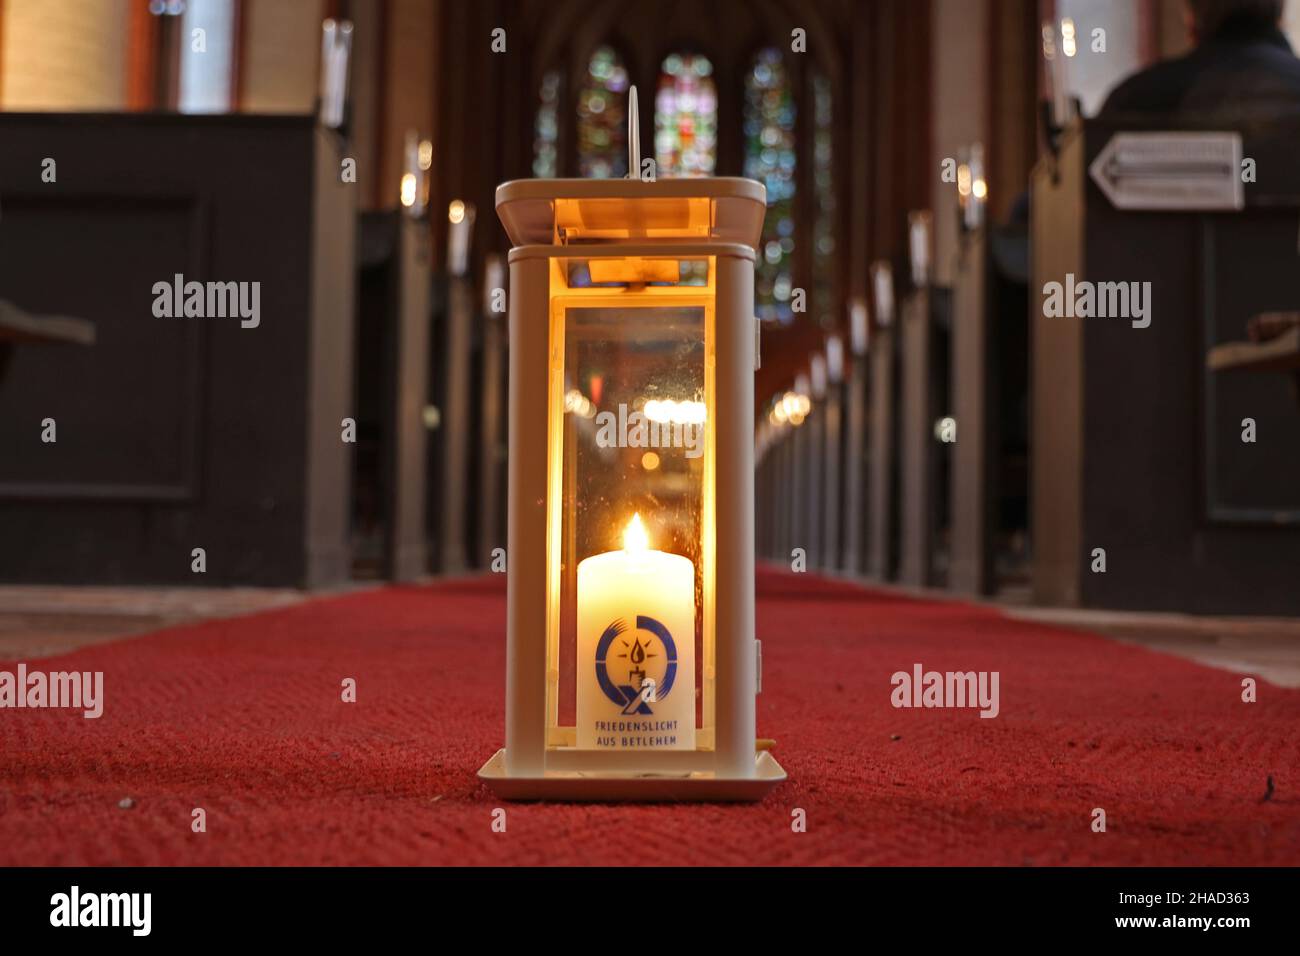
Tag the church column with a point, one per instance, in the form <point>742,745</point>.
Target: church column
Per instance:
<point>68,56</point>
<point>280,53</point>
<point>960,111</point>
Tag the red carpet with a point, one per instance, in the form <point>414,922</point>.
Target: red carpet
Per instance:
<point>243,718</point>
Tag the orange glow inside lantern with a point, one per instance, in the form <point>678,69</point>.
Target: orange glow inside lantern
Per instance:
<point>631,654</point>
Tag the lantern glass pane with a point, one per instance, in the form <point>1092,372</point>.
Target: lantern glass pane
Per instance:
<point>631,501</point>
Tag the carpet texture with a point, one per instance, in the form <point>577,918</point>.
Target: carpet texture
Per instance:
<point>243,718</point>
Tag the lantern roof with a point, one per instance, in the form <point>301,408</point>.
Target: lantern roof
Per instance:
<point>587,211</point>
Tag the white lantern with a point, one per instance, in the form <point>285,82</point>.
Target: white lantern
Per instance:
<point>632,662</point>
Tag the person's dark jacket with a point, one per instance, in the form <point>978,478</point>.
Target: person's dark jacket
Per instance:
<point>1246,70</point>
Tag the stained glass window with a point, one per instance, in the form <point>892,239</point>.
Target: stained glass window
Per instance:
<point>546,129</point>
<point>686,117</point>
<point>769,157</point>
<point>602,117</point>
<point>824,218</point>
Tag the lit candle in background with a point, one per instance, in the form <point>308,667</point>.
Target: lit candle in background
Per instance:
<point>425,160</point>
<point>859,327</point>
<point>636,648</point>
<point>979,188</point>
<point>460,219</point>
<point>919,247</point>
<point>835,359</point>
<point>494,284</point>
<point>336,50</point>
<point>1057,78</point>
<point>882,275</point>
<point>817,376</point>
<point>329,31</point>
<point>410,175</point>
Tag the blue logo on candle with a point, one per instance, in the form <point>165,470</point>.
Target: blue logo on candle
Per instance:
<point>634,655</point>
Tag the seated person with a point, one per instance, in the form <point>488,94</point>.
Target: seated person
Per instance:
<point>1242,65</point>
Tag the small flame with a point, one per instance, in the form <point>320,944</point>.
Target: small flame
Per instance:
<point>635,540</point>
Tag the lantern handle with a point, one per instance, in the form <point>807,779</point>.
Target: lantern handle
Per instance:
<point>633,136</point>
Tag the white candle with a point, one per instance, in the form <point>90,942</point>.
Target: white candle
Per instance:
<point>460,216</point>
<point>636,648</point>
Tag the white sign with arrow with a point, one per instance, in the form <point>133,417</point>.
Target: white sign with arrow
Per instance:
<point>1188,172</point>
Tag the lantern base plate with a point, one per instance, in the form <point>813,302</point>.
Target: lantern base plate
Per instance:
<point>601,786</point>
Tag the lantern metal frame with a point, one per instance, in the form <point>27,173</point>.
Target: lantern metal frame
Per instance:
<point>624,224</point>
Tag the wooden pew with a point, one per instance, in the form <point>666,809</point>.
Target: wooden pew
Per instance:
<point>452,363</point>
<point>490,528</point>
<point>971,561</point>
<point>760,502</point>
<point>769,493</point>
<point>786,472</point>
<point>178,433</point>
<point>833,454</point>
<point>772,497</point>
<point>1137,440</point>
<point>917,442</point>
<point>802,496</point>
<point>856,418</point>
<point>393,390</point>
<point>988,482</point>
<point>882,455</point>
<point>815,465</point>
<point>924,368</point>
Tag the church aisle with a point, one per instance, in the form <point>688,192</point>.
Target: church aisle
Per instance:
<point>244,719</point>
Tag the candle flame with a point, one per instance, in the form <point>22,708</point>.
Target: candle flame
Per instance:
<point>635,539</point>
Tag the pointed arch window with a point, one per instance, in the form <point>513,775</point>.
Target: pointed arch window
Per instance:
<point>686,117</point>
<point>546,128</point>
<point>602,117</point>
<point>769,125</point>
<point>823,236</point>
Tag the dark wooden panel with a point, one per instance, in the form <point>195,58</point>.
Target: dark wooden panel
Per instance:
<point>454,350</point>
<point>814,483</point>
<point>155,419</point>
<point>833,478</point>
<point>329,323</point>
<point>1147,454</point>
<point>492,441</point>
<point>882,460</point>
<point>916,443</point>
<point>392,369</point>
<point>855,470</point>
<point>1056,382</point>
<point>408,549</point>
<point>800,488</point>
<point>1247,483</point>
<point>972,546</point>
<point>226,438</point>
<point>785,537</point>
